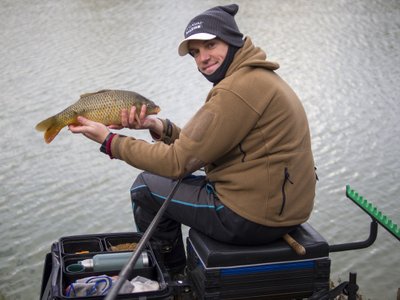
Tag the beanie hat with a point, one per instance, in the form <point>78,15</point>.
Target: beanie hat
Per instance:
<point>215,22</point>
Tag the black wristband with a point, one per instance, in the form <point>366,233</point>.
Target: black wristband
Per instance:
<point>103,147</point>
<point>168,131</point>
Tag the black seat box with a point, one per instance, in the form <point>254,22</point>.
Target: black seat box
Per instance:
<point>273,271</point>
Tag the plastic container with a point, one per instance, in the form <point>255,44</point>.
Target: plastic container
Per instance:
<point>81,246</point>
<point>108,262</point>
<point>70,250</point>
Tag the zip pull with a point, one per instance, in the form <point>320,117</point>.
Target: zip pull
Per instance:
<point>287,176</point>
<point>286,179</point>
<point>316,175</point>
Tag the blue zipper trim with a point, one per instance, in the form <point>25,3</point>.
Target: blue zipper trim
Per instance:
<point>188,203</point>
<point>268,268</point>
<point>219,207</point>
<point>138,187</point>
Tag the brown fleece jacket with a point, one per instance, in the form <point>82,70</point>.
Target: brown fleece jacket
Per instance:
<point>252,137</point>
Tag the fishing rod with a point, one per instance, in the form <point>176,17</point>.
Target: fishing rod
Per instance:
<point>127,270</point>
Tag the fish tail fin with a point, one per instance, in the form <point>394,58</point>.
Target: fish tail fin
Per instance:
<point>50,127</point>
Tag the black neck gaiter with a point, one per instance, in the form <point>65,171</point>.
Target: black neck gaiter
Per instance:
<point>219,73</point>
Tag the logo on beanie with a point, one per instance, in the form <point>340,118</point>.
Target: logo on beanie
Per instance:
<point>193,26</point>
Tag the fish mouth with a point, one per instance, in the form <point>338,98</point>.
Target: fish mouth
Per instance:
<point>156,110</point>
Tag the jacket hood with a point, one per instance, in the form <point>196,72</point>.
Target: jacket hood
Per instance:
<point>251,56</point>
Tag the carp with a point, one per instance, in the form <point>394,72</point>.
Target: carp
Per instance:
<point>103,106</point>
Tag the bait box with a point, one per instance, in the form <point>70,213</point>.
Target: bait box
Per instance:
<point>71,249</point>
<point>273,271</point>
<point>81,245</point>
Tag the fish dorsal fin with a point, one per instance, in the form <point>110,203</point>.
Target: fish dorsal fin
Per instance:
<point>91,94</point>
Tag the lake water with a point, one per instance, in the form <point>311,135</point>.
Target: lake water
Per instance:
<point>341,57</point>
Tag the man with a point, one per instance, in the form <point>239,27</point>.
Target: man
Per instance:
<point>251,136</point>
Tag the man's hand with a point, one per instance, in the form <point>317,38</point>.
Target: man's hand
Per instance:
<point>92,130</point>
<point>129,119</point>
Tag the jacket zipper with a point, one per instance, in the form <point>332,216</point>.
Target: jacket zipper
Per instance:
<point>286,179</point>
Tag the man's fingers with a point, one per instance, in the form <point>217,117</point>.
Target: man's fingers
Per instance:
<point>79,128</point>
<point>143,112</point>
<point>81,120</point>
<point>131,119</point>
<point>124,117</point>
<point>139,123</point>
<point>132,116</point>
<point>118,127</point>
<point>84,121</point>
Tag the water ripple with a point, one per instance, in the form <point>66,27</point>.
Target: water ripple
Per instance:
<point>341,58</point>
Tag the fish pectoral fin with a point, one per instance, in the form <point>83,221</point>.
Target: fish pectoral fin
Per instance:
<point>81,112</point>
<point>94,93</point>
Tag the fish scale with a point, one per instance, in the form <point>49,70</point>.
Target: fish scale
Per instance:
<point>103,106</point>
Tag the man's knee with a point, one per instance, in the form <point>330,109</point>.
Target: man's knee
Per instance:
<point>142,218</point>
<point>140,193</point>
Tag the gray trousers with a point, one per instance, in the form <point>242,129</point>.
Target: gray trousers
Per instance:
<point>196,205</point>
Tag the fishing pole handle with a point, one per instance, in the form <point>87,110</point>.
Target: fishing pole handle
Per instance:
<point>123,275</point>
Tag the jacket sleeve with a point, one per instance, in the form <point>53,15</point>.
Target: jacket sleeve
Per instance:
<point>219,126</point>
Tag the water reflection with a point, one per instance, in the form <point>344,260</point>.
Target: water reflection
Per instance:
<point>341,57</point>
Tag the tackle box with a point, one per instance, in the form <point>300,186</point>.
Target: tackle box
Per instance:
<point>273,271</point>
<point>57,276</point>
